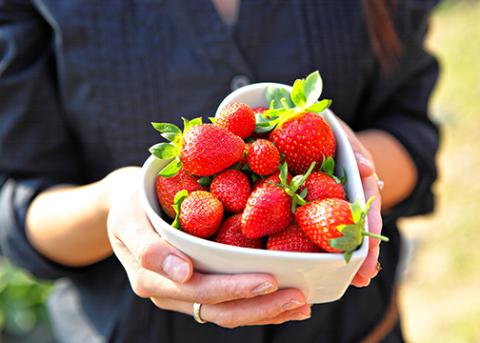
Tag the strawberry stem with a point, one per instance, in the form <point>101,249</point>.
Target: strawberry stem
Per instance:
<point>374,235</point>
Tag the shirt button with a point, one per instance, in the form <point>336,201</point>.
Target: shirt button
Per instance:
<point>239,81</point>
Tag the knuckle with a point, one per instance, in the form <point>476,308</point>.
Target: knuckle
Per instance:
<point>146,255</point>
<point>138,287</point>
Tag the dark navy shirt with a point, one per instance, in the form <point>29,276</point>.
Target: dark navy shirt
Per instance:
<point>81,80</point>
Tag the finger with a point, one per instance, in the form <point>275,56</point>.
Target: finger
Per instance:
<point>360,281</point>
<point>253,311</point>
<point>365,165</point>
<point>374,215</point>
<point>369,267</point>
<point>301,313</point>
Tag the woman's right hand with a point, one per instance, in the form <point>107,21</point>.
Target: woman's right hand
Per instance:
<point>158,271</point>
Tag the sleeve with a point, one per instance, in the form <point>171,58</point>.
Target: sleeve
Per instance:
<point>36,149</point>
<point>398,104</point>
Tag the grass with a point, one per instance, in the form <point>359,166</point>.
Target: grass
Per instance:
<point>439,297</point>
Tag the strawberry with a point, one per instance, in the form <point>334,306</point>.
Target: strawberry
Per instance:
<point>202,149</point>
<point>303,140</point>
<point>167,188</point>
<point>237,118</point>
<point>291,239</point>
<point>324,184</point>
<point>263,157</point>
<point>231,233</point>
<point>335,225</point>
<point>232,188</point>
<point>198,213</point>
<point>299,132</point>
<point>269,208</point>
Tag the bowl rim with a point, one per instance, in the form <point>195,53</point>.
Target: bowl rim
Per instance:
<point>360,253</point>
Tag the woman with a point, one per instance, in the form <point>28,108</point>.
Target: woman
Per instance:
<point>79,82</point>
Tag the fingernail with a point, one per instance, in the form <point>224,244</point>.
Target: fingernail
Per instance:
<point>263,288</point>
<point>291,305</point>
<point>363,160</point>
<point>175,268</point>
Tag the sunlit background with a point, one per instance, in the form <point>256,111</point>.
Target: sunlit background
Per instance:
<point>440,298</point>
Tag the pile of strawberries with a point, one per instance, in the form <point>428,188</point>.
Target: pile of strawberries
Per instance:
<point>260,178</point>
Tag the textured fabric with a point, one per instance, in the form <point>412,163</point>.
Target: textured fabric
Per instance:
<point>81,80</point>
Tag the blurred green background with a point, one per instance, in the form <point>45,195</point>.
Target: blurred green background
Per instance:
<point>439,301</point>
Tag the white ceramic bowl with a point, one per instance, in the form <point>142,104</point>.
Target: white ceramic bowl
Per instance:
<point>323,277</point>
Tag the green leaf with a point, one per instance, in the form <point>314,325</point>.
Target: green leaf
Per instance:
<point>347,255</point>
<point>163,151</point>
<point>168,131</point>
<point>328,166</point>
<point>285,103</point>
<point>298,94</point>
<point>263,129</point>
<point>274,95</point>
<point>212,119</point>
<point>188,124</point>
<point>255,177</point>
<point>177,202</point>
<point>351,239</point>
<point>283,174</point>
<point>304,193</point>
<point>357,211</point>
<point>319,107</point>
<point>172,168</point>
<point>312,87</point>
<point>296,182</point>
<point>205,181</point>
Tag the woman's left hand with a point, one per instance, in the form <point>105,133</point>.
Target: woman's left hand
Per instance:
<point>366,167</point>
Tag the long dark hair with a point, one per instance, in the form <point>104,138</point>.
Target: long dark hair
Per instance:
<point>386,45</point>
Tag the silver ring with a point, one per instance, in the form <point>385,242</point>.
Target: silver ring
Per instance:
<point>196,313</point>
<point>380,182</point>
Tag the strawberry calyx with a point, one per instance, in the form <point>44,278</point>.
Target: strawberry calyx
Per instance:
<point>177,202</point>
<point>284,106</point>
<point>172,149</point>
<point>292,187</point>
<point>328,167</point>
<point>353,233</point>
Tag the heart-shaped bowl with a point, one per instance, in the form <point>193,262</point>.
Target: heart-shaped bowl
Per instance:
<point>322,277</point>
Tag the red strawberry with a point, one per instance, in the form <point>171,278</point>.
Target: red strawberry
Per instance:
<point>274,178</point>
<point>269,208</point>
<point>237,118</point>
<point>291,239</point>
<point>320,186</point>
<point>334,225</point>
<point>208,149</point>
<point>200,213</point>
<point>167,188</point>
<point>304,139</point>
<point>202,149</point>
<point>268,211</point>
<point>263,157</point>
<point>231,233</point>
<point>232,188</point>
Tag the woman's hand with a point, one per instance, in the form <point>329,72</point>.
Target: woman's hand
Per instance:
<point>370,266</point>
<point>158,271</point>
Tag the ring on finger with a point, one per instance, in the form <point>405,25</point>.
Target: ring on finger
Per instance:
<point>196,313</point>
<point>378,266</point>
<point>380,182</point>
